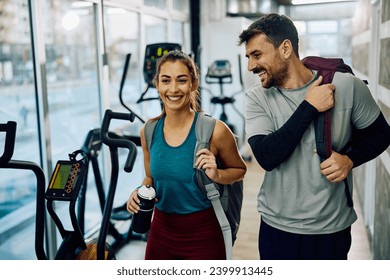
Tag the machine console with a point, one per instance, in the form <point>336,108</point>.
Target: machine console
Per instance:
<point>152,53</point>
<point>66,180</point>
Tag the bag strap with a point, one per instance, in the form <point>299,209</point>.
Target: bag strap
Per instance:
<point>327,67</point>
<point>149,127</point>
<point>204,128</point>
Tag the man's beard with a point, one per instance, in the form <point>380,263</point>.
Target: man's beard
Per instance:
<point>277,77</point>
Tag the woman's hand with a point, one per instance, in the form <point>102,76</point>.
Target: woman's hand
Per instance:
<point>206,160</point>
<point>133,202</point>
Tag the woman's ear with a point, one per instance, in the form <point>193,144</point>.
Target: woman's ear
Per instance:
<point>195,85</point>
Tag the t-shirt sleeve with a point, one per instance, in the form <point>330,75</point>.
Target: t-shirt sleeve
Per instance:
<point>365,110</point>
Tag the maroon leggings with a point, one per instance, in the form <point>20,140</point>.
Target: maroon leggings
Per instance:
<point>195,236</point>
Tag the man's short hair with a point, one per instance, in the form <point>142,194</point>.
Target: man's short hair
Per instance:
<point>276,27</point>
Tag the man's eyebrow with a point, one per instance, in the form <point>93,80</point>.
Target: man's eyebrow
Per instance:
<point>252,52</point>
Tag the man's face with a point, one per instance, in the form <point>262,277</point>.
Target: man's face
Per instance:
<point>266,61</point>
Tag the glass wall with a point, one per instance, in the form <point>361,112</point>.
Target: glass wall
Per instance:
<point>329,38</point>
<point>71,41</point>
<point>17,90</point>
<point>122,39</point>
<point>72,71</point>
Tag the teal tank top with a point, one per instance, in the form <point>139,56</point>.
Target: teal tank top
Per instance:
<point>173,173</point>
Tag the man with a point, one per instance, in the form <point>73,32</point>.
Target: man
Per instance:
<point>302,201</point>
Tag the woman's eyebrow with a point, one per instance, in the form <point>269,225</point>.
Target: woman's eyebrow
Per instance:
<point>179,76</point>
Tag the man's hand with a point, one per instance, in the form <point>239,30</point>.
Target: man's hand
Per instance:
<point>336,168</point>
<point>321,96</point>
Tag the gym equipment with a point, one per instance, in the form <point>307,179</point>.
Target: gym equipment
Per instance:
<point>65,185</point>
<point>92,147</point>
<point>125,68</point>
<point>220,72</point>
<point>114,143</point>
<point>153,52</point>
<point>7,162</point>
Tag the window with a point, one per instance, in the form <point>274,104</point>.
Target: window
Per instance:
<point>72,82</point>
<point>161,4</point>
<point>121,41</point>
<point>17,187</point>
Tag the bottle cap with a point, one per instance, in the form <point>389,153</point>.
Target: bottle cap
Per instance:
<point>146,192</point>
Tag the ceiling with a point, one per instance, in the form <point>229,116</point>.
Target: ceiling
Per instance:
<point>253,9</point>
<point>283,2</point>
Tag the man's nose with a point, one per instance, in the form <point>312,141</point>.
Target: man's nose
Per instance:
<point>251,65</point>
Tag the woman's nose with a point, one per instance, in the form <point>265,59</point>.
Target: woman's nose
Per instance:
<point>173,87</point>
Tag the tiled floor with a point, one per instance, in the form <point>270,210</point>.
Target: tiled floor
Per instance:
<point>245,247</point>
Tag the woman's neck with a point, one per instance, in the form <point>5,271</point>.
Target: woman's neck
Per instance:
<point>180,119</point>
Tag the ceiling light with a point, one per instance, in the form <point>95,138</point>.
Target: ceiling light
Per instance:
<point>303,2</point>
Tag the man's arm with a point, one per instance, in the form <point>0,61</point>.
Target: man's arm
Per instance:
<point>369,142</point>
<point>366,144</point>
<point>273,149</point>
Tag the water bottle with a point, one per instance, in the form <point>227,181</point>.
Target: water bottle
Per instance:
<point>141,220</point>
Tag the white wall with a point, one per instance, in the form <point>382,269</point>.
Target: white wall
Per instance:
<point>219,41</point>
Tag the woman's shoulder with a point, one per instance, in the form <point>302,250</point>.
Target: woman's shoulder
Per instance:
<point>222,132</point>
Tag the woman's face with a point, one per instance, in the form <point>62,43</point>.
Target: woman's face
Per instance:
<point>175,85</point>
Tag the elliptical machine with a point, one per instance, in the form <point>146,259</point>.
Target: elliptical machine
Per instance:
<point>220,72</point>
<point>65,185</point>
<point>7,162</point>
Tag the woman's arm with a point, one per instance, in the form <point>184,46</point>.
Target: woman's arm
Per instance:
<point>223,149</point>
<point>133,201</point>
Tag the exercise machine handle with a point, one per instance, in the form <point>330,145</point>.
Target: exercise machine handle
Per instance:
<point>127,62</point>
<point>113,144</point>
<point>119,142</point>
<point>10,131</point>
<point>7,162</point>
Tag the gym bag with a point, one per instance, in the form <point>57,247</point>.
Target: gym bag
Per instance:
<point>225,199</point>
<point>326,68</point>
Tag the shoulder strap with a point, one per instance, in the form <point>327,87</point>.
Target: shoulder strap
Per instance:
<point>149,127</point>
<point>327,67</point>
<point>204,129</point>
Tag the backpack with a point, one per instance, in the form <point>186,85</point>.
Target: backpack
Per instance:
<point>327,67</point>
<point>225,199</point>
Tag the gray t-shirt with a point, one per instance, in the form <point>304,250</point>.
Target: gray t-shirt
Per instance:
<point>295,196</point>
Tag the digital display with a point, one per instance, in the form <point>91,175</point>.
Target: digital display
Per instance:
<point>222,63</point>
<point>219,69</point>
<point>66,180</point>
<point>61,175</point>
<point>152,53</point>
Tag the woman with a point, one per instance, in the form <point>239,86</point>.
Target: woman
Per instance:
<point>184,225</point>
